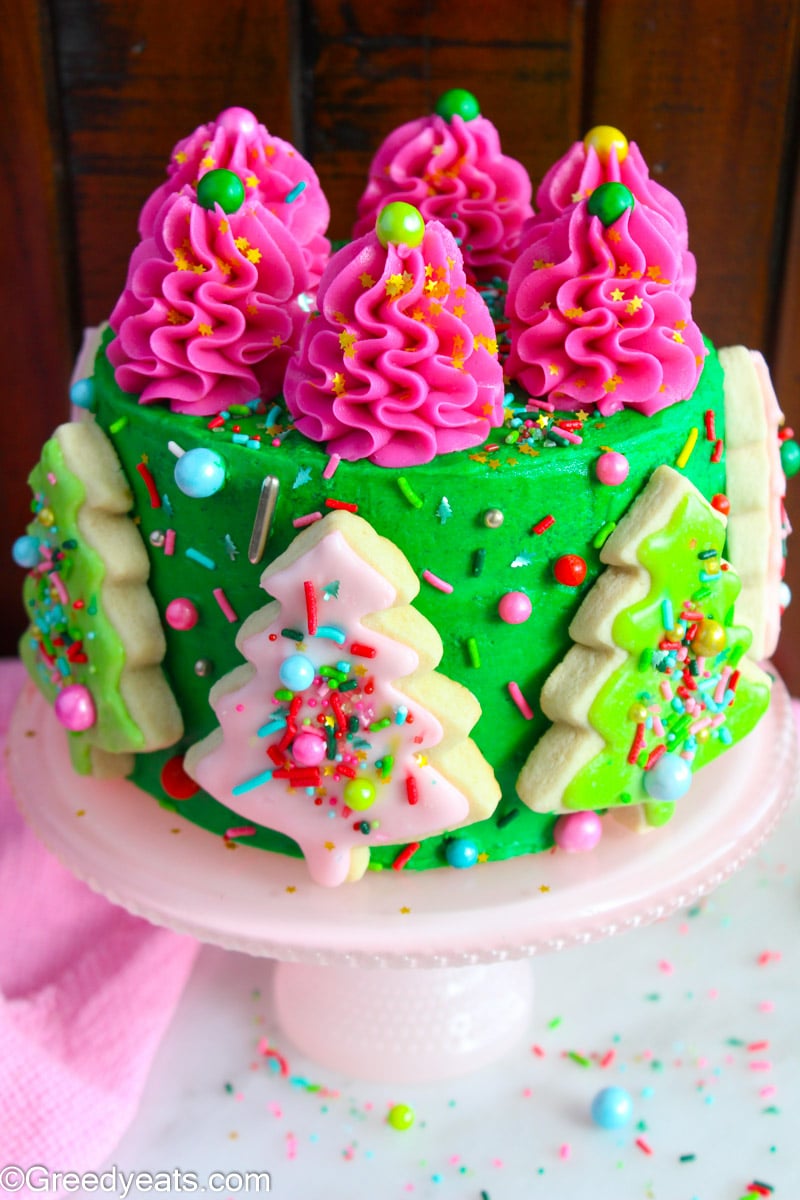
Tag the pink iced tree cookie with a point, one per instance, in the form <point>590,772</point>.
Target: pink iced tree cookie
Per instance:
<point>606,156</point>
<point>596,320</point>
<point>400,364</point>
<point>450,166</point>
<point>338,732</point>
<point>211,311</point>
<point>274,175</point>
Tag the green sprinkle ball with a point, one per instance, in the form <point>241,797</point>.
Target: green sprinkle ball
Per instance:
<point>790,457</point>
<point>359,794</point>
<point>401,1116</point>
<point>399,223</point>
<point>221,187</point>
<point>609,201</point>
<point>458,103</point>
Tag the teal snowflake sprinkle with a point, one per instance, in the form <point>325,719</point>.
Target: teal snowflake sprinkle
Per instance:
<point>302,476</point>
<point>332,590</point>
<point>523,560</point>
<point>231,548</point>
<point>445,511</point>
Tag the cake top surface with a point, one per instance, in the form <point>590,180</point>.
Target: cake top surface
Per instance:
<point>390,353</point>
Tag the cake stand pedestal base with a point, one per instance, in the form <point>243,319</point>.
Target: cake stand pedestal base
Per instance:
<point>348,989</point>
<point>404,1026</point>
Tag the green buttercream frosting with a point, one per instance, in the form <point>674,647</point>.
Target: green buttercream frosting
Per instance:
<point>436,514</point>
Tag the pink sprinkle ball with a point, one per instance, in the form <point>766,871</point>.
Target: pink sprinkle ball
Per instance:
<point>612,468</point>
<point>578,832</point>
<point>181,614</point>
<point>514,608</point>
<point>308,749</point>
<point>237,120</point>
<point>74,708</point>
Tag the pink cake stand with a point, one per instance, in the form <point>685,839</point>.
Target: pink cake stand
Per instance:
<point>477,927</point>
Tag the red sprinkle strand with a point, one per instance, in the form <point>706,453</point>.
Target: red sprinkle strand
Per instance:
<point>216,423</point>
<point>362,651</point>
<point>716,453</point>
<point>654,756</point>
<point>643,1146</point>
<point>412,791</point>
<point>311,607</point>
<point>711,435</point>
<point>305,776</point>
<point>341,504</point>
<point>150,484</point>
<point>336,705</point>
<point>279,1059</point>
<point>545,523</point>
<point>405,854</point>
<point>636,745</point>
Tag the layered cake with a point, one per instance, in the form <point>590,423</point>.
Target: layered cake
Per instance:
<point>443,547</point>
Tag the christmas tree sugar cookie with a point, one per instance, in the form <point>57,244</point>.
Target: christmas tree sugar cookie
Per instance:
<point>338,731</point>
<point>95,642</point>
<point>756,486</point>
<point>658,682</point>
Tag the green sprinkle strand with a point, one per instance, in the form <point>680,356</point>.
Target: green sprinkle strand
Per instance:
<point>409,493</point>
<point>473,652</point>
<point>579,1059</point>
<point>603,534</point>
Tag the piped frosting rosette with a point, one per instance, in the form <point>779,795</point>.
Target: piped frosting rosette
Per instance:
<point>273,172</point>
<point>606,156</point>
<point>209,316</point>
<point>401,362</point>
<point>450,166</point>
<point>596,320</point>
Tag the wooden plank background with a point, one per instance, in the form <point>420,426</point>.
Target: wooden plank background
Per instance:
<point>100,90</point>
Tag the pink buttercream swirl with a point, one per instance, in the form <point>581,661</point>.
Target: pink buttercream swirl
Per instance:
<point>581,170</point>
<point>209,316</point>
<point>401,363</point>
<point>454,172</point>
<point>596,319</point>
<point>273,172</point>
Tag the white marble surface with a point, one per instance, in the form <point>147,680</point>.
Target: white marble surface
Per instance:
<point>700,1011</point>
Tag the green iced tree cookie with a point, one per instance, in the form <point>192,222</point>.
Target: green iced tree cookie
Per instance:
<point>658,682</point>
<point>95,643</point>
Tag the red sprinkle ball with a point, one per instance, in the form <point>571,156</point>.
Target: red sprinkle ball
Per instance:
<point>174,780</point>
<point>570,570</point>
<point>721,503</point>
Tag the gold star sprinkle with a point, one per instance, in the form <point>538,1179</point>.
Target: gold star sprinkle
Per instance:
<point>347,343</point>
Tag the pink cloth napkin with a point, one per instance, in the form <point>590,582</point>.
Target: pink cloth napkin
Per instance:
<point>86,994</point>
